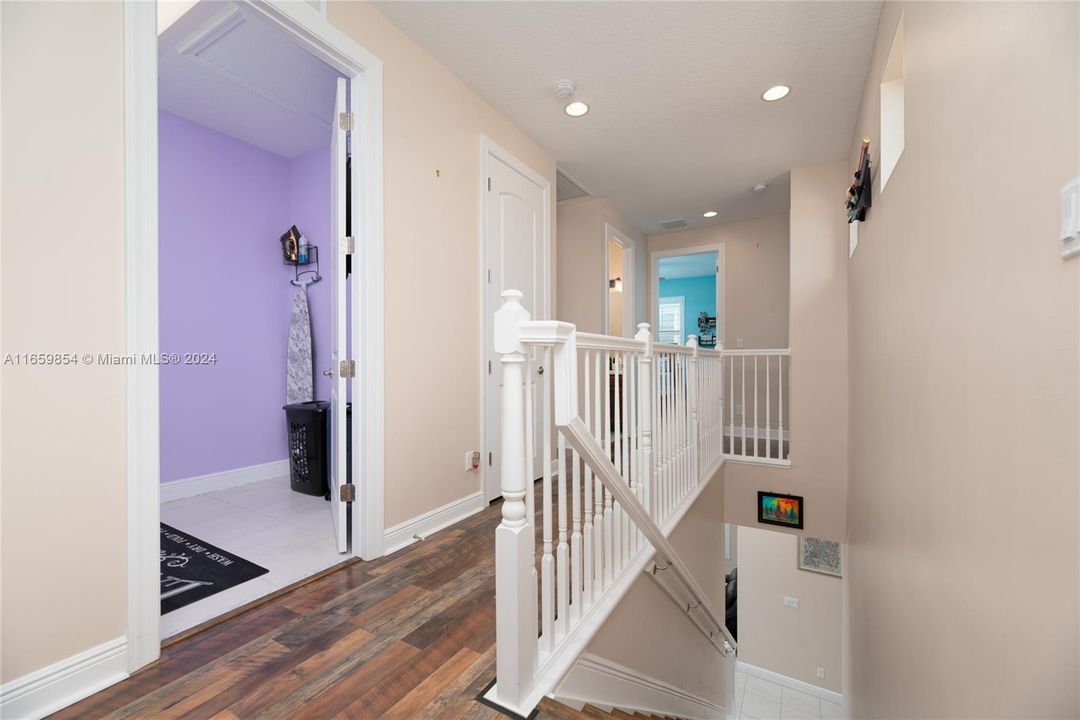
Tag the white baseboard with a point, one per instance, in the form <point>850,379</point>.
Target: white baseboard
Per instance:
<point>790,682</point>
<point>201,484</point>
<point>605,684</point>
<point>410,531</point>
<point>52,688</point>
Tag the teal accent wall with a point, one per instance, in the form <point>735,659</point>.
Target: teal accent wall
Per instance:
<point>699,295</point>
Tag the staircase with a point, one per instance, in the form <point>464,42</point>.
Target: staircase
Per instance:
<point>637,431</point>
<point>554,710</point>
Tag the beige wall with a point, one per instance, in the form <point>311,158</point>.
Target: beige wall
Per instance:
<point>756,276</point>
<point>964,370</point>
<point>63,291</point>
<point>790,641</point>
<point>581,273</point>
<point>817,334</point>
<point>791,266</point>
<point>647,632</point>
<point>68,469</point>
<point>431,121</point>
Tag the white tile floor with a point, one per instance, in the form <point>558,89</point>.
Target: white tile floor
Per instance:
<point>265,522</point>
<point>759,699</point>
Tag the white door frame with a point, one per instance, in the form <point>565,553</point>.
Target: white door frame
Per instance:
<point>489,149</point>
<point>654,285</point>
<point>310,29</point>
<point>630,290</point>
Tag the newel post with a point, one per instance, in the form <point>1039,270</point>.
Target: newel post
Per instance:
<point>515,591</point>
<point>693,390</point>
<point>645,419</point>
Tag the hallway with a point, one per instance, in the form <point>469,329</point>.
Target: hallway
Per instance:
<point>411,635</point>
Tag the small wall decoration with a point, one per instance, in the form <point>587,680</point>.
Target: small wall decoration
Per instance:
<point>860,195</point>
<point>821,556</point>
<point>780,509</point>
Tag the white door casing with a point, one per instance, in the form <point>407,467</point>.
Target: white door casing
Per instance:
<point>314,32</point>
<point>339,441</point>
<point>515,255</point>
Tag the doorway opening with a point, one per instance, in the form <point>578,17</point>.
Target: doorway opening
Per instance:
<point>619,289</point>
<point>252,160</point>
<point>361,310</point>
<point>687,296</point>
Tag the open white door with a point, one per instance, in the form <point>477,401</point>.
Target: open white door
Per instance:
<point>341,367</point>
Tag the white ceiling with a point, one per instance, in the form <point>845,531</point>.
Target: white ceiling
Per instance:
<point>686,266</point>
<point>222,67</point>
<point>677,125</point>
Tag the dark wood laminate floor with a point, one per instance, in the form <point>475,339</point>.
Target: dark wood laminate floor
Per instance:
<point>411,635</point>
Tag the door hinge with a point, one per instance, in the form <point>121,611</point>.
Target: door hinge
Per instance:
<point>489,458</point>
<point>347,368</point>
<point>348,245</point>
<point>489,184</point>
<point>347,121</point>
<point>489,276</point>
<point>347,493</point>
<point>489,367</point>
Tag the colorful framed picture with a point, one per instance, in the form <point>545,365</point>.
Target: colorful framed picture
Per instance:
<point>820,556</point>
<point>780,509</point>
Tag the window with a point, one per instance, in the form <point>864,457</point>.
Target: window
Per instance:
<point>671,320</point>
<point>892,107</point>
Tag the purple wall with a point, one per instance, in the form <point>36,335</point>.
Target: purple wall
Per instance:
<point>223,289</point>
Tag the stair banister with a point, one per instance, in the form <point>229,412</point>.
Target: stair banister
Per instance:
<point>515,593</point>
<point>526,667</point>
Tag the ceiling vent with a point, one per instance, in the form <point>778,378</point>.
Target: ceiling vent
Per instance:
<point>673,224</point>
<point>566,188</point>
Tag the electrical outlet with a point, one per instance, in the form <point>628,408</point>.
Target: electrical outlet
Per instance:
<point>821,673</point>
<point>791,602</point>
<point>472,460</point>
<point>738,342</point>
<point>738,409</point>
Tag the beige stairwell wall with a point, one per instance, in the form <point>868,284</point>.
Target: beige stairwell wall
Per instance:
<point>648,633</point>
<point>964,374</point>
<point>785,280</point>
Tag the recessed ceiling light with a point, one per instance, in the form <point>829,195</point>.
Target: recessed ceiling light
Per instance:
<point>711,213</point>
<point>760,188</point>
<point>576,109</point>
<point>776,92</point>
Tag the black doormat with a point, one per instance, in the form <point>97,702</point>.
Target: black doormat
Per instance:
<point>192,569</point>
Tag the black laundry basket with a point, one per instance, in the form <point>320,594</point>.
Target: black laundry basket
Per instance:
<point>309,452</point>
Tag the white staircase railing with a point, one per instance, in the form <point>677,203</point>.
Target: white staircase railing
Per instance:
<point>638,435</point>
<point>759,404</point>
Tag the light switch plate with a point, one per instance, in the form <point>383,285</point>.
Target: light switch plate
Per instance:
<point>791,602</point>
<point>1070,219</point>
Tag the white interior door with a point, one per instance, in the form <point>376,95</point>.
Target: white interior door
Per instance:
<point>515,251</point>
<point>338,354</point>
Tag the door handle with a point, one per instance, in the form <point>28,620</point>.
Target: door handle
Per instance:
<point>540,370</point>
<point>328,373</point>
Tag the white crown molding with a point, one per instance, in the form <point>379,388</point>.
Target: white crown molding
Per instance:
<point>51,688</point>
<point>601,682</point>
<point>211,482</point>
<point>790,682</point>
<point>421,526</point>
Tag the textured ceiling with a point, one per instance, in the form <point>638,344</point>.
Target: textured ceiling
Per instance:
<point>677,125</point>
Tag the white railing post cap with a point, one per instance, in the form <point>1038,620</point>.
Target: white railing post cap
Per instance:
<point>691,341</point>
<point>508,319</point>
